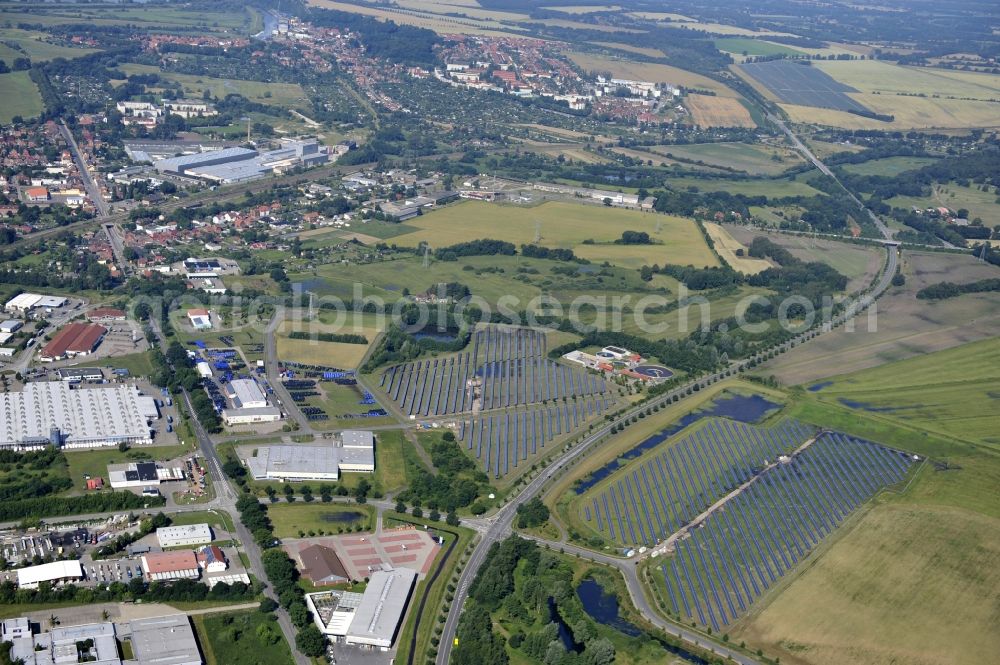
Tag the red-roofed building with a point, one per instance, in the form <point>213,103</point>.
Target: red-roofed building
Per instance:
<point>106,314</point>
<point>170,565</point>
<point>36,194</point>
<point>76,339</point>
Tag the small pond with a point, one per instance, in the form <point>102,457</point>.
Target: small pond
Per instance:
<point>342,517</point>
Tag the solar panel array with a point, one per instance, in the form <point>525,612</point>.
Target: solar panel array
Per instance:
<point>503,439</point>
<point>647,502</point>
<point>743,548</point>
<point>525,400</point>
<point>511,366</point>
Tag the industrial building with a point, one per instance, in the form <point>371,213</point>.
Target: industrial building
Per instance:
<point>69,570</point>
<point>142,474</point>
<point>232,165</point>
<point>167,640</point>
<point>26,302</point>
<point>188,534</point>
<point>53,413</point>
<point>355,454</point>
<point>200,319</point>
<point>264,414</point>
<point>245,394</point>
<point>371,619</point>
<point>78,374</point>
<point>11,326</point>
<point>75,339</point>
<point>167,566</point>
<point>212,559</point>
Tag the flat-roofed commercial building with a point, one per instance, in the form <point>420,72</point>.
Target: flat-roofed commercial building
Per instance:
<point>184,163</point>
<point>187,534</point>
<point>166,566</point>
<point>25,302</point>
<point>261,414</point>
<point>245,394</point>
<point>167,640</point>
<point>354,454</point>
<point>142,474</point>
<point>69,570</point>
<point>372,620</point>
<point>53,413</point>
<point>76,339</point>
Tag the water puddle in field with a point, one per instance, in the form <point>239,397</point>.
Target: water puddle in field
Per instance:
<point>744,408</point>
<point>341,517</point>
<point>816,387</point>
<point>865,406</point>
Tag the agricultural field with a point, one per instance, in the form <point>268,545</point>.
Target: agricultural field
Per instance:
<point>858,263</point>
<point>519,400</point>
<point>915,113</point>
<point>281,94</point>
<point>712,111</point>
<point>755,159</point>
<point>20,96</point>
<point>426,19</point>
<point>727,247</point>
<point>584,9</point>
<point>331,354</point>
<point>566,225</point>
<point>933,392</point>
<point>769,187</point>
<point>744,46</point>
<point>648,71</point>
<point>874,76</point>
<point>641,50</point>
<point>902,326</point>
<point>889,166</point>
<point>150,17</point>
<point>802,85</point>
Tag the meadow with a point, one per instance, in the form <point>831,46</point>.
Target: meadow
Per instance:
<point>727,247</point>
<point>713,111</point>
<point>35,45</point>
<point>20,97</point>
<point>291,518</point>
<point>858,263</point>
<point>428,19</point>
<point>648,71</point>
<point>231,637</point>
<point>888,166</point>
<point>979,203</point>
<point>331,354</point>
<point>948,392</point>
<point>276,94</point>
<point>744,46</point>
<point>769,187</point>
<point>755,159</point>
<point>902,326</point>
<point>566,225</point>
<point>908,112</point>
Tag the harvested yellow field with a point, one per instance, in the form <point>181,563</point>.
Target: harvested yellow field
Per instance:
<point>662,16</point>
<point>438,23</point>
<point>708,111</point>
<point>333,354</point>
<point>727,246</point>
<point>470,9</point>
<point>648,71</point>
<point>722,29</point>
<point>889,79</point>
<point>580,25</point>
<point>641,50</point>
<point>584,9</point>
<point>909,112</point>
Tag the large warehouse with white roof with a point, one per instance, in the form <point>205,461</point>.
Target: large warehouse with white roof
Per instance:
<point>371,619</point>
<point>355,453</point>
<point>52,412</point>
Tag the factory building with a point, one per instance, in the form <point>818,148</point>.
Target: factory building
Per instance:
<point>371,619</point>
<point>167,640</point>
<point>142,474</point>
<point>24,303</point>
<point>76,339</point>
<point>245,394</point>
<point>232,165</point>
<point>188,534</point>
<point>354,452</point>
<point>52,413</point>
<point>57,572</point>
<point>167,566</point>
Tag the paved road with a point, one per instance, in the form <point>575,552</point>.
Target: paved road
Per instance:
<point>271,370</point>
<point>93,191</point>
<point>501,522</point>
<point>225,499</point>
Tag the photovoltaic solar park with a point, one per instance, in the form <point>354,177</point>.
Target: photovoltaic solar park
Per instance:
<point>734,506</point>
<point>509,399</point>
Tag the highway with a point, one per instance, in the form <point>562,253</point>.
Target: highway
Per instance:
<point>502,521</point>
<point>93,191</point>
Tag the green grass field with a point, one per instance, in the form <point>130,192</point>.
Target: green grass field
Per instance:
<point>950,392</point>
<point>150,17</point>
<point>290,518</point>
<point>889,166</point>
<point>566,225</point>
<point>281,94</point>
<point>747,46</point>
<point>34,45</point>
<point>138,364</point>
<point>20,97</point>
<point>979,203</point>
<point>752,158</point>
<point>772,188</point>
<point>241,637</point>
